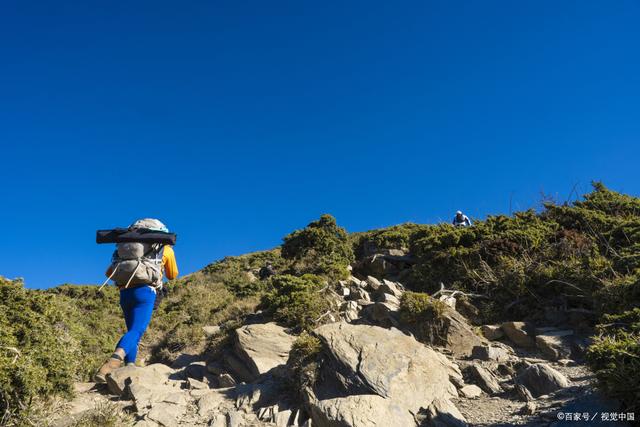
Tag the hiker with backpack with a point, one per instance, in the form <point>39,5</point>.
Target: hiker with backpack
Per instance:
<point>266,271</point>
<point>143,256</point>
<point>461,220</point>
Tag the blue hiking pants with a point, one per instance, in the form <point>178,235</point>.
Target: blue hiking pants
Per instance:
<point>137,307</point>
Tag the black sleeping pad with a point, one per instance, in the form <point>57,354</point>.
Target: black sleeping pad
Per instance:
<point>141,235</point>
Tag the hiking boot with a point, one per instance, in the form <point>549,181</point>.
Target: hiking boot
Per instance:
<point>109,366</point>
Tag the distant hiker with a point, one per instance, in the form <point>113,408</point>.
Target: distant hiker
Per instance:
<point>266,271</point>
<point>137,268</point>
<point>461,220</point>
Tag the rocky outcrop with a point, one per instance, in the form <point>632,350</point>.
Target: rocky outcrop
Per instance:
<point>449,329</point>
<point>442,413</point>
<point>492,332</point>
<point>366,410</point>
<point>555,344</point>
<point>258,348</point>
<point>490,353</point>
<point>541,378</point>
<point>520,333</point>
<point>364,360</point>
<point>152,376</point>
<point>485,379</point>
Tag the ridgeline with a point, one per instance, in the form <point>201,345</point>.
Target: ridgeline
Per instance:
<point>519,307</point>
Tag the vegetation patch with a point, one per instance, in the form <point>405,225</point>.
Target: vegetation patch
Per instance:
<point>297,302</point>
<point>322,248</point>
<point>418,308</point>
<point>615,357</point>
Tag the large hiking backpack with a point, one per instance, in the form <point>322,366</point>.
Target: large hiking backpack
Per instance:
<point>137,263</point>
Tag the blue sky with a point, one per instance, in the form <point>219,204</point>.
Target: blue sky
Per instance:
<point>236,122</point>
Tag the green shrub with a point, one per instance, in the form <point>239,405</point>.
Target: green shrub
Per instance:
<point>304,361</point>
<point>193,302</point>
<point>304,348</point>
<point>321,248</point>
<point>239,274</point>
<point>417,308</point>
<point>615,357</point>
<point>296,301</point>
<point>395,237</point>
<point>38,354</point>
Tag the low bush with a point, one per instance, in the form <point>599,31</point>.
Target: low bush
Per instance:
<point>615,357</point>
<point>39,354</point>
<point>322,248</point>
<point>419,308</point>
<point>297,302</point>
<point>240,274</point>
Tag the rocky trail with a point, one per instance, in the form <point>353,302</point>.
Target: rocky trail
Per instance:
<point>372,373</point>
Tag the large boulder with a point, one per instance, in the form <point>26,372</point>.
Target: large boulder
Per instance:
<point>260,347</point>
<point>520,333</point>
<point>442,413</point>
<point>485,379</point>
<point>490,353</point>
<point>152,376</point>
<point>555,344</point>
<point>492,332</point>
<point>397,373</point>
<point>364,410</point>
<point>450,330</point>
<point>542,379</point>
<point>383,313</point>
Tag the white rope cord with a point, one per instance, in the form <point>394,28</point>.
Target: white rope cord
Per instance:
<point>134,273</point>
<point>109,278</point>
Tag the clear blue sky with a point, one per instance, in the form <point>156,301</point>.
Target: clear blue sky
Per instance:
<point>236,122</point>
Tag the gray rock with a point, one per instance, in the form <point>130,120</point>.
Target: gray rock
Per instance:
<point>366,361</point>
<point>492,332</point>
<point>542,379</point>
<point>356,282</point>
<point>145,397</point>
<point>237,367</point>
<point>518,333</point>
<point>166,414</point>
<point>485,379</point>
<point>529,408</point>
<point>264,392</point>
<point>383,313</point>
<point>448,300</point>
<point>235,419</point>
<point>523,392</point>
<point>218,420</point>
<point>197,385</point>
<point>470,391</point>
<point>442,413</point>
<point>150,376</point>
<point>282,418</point>
<point>262,347</point>
<point>450,330</point>
<point>373,284</point>
<point>490,353</point>
<point>210,401</point>
<point>365,410</point>
<point>389,287</point>
<point>555,344</point>
<point>390,299</point>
